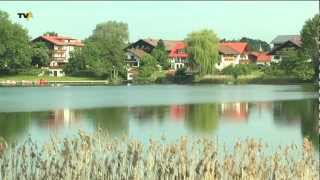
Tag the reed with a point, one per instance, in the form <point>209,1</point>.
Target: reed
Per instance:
<point>99,156</point>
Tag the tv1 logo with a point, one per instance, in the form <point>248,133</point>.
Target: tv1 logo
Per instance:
<point>27,15</point>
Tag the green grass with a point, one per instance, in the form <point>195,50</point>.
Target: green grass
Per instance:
<point>49,78</point>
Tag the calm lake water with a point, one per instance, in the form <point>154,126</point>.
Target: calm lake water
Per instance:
<point>278,114</point>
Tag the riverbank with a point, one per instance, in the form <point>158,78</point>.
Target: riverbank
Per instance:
<point>100,156</point>
<point>27,80</point>
<point>249,79</point>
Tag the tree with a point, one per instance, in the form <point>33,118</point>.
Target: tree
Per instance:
<point>40,54</point>
<point>294,62</point>
<point>310,36</point>
<point>50,33</point>
<point>161,55</point>
<point>203,118</point>
<point>256,44</point>
<point>15,50</point>
<point>103,52</point>
<point>203,50</point>
<point>239,69</point>
<point>147,69</point>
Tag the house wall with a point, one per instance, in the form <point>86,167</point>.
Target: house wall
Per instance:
<point>227,60</point>
<point>132,60</point>
<point>278,55</point>
<point>56,72</point>
<point>177,63</point>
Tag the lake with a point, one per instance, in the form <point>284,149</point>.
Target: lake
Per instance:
<point>278,114</point>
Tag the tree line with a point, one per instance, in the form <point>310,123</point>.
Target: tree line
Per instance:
<point>103,54</point>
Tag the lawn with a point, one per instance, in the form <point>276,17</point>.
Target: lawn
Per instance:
<point>49,78</point>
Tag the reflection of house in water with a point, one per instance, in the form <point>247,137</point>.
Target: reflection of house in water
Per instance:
<point>237,112</point>
<point>62,118</point>
<point>178,112</point>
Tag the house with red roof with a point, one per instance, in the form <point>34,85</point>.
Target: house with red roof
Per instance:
<point>178,57</point>
<point>260,58</point>
<point>60,48</point>
<point>232,53</point>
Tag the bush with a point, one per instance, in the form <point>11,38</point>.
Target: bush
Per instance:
<point>32,72</point>
<point>239,69</point>
<point>181,77</point>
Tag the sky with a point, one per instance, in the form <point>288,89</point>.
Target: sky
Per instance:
<point>164,19</point>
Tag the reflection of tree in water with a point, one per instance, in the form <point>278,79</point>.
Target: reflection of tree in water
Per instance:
<point>113,120</point>
<point>203,118</point>
<point>150,113</point>
<point>14,124</point>
<point>304,112</point>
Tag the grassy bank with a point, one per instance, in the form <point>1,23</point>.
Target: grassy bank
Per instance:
<point>102,157</point>
<point>49,78</point>
<point>249,79</point>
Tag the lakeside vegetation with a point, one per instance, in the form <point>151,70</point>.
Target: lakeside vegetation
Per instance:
<point>100,156</point>
<point>103,56</point>
<point>19,77</point>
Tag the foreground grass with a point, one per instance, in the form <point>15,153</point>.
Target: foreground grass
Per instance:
<point>102,157</point>
<point>49,78</point>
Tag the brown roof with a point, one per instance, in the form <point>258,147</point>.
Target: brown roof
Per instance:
<point>169,44</point>
<point>138,52</point>
<point>227,50</point>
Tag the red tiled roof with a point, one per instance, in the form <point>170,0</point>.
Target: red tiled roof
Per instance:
<point>178,46</point>
<point>62,40</point>
<point>262,56</point>
<point>240,47</point>
<point>227,50</point>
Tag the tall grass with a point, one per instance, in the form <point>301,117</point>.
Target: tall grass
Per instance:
<point>99,156</point>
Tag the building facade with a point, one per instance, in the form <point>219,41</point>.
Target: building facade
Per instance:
<point>232,53</point>
<point>60,48</point>
<point>135,52</point>
<point>283,43</point>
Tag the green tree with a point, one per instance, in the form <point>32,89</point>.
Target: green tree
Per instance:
<point>310,41</point>
<point>203,50</point>
<point>15,50</point>
<point>295,63</point>
<point>239,69</point>
<point>111,38</point>
<point>103,54</point>
<point>203,118</point>
<point>256,44</point>
<point>40,54</point>
<point>148,67</point>
<point>50,33</point>
<point>161,55</point>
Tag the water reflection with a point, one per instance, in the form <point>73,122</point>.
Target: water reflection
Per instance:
<point>235,112</point>
<point>58,119</point>
<point>190,118</point>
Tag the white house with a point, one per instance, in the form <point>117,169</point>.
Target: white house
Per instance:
<point>60,48</point>
<point>232,53</point>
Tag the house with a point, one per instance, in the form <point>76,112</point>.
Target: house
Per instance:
<point>135,52</point>
<point>178,56</point>
<point>60,48</point>
<point>232,53</point>
<point>260,58</point>
<point>283,43</point>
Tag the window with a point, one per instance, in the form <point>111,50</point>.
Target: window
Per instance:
<point>276,57</point>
